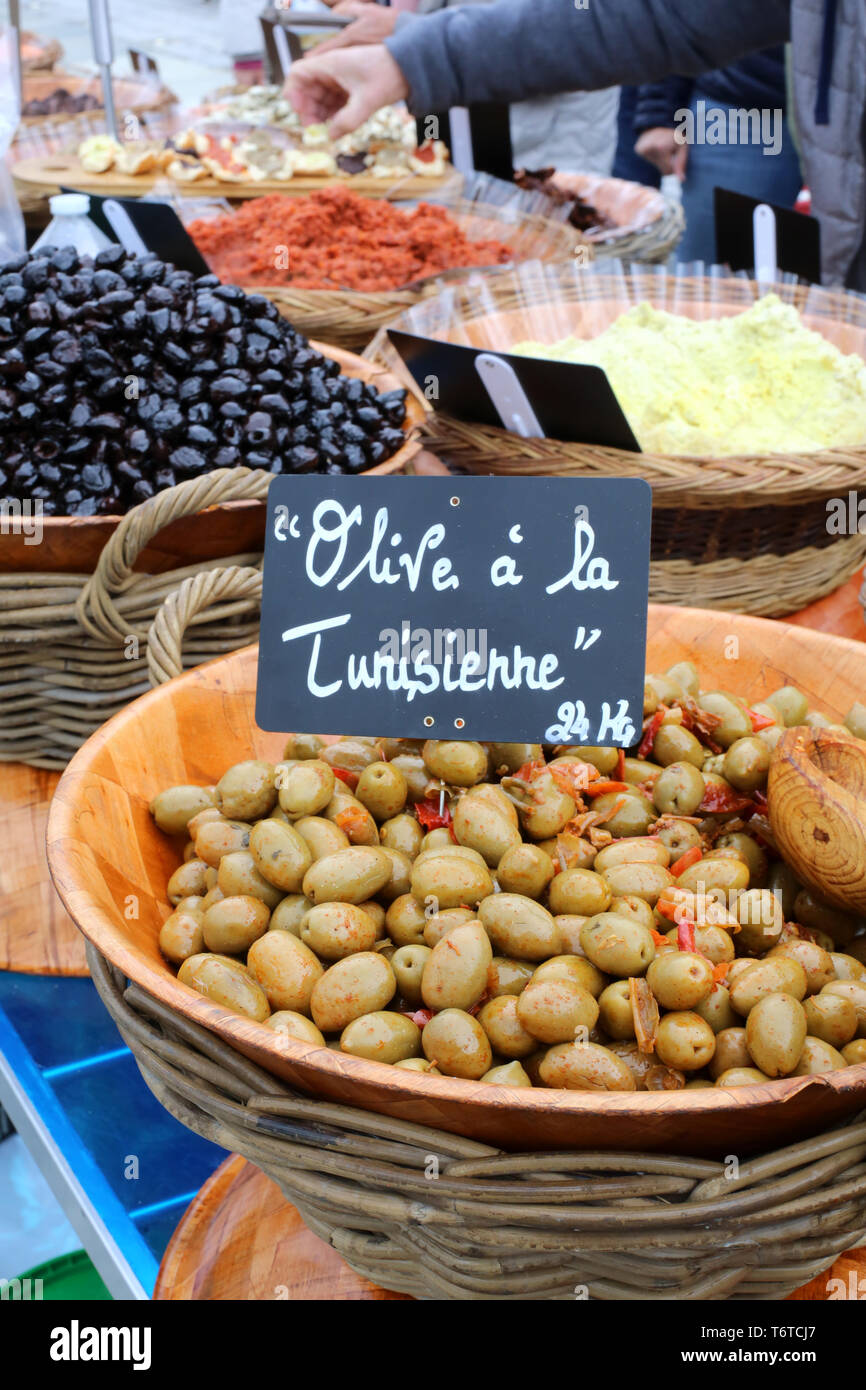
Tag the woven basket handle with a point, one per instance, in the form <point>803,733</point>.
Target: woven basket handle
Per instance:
<point>233,589</point>
<point>95,609</point>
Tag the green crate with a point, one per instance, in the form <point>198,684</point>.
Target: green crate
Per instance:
<point>71,1277</point>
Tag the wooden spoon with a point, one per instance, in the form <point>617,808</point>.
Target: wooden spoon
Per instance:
<point>817,806</point>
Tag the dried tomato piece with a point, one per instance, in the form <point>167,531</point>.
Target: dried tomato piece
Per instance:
<point>685,861</point>
<point>430,816</point>
<point>724,799</point>
<point>646,744</point>
<point>350,778</point>
<point>644,1012</point>
<point>759,721</point>
<point>685,936</point>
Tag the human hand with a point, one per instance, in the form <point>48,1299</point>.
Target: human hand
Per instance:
<point>661,147</point>
<point>372,25</point>
<point>344,88</point>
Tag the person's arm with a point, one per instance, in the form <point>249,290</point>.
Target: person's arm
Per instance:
<point>657,103</point>
<point>515,49</point>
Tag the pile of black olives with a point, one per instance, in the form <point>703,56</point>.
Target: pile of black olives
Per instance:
<point>122,375</point>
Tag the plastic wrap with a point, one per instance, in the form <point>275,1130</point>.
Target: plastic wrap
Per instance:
<point>12,240</point>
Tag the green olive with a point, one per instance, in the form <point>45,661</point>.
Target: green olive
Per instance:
<point>667,688</point>
<point>485,827</point>
<point>679,790</point>
<point>216,838</point>
<point>627,905</point>
<point>674,744</point>
<point>790,705</point>
<point>761,920</point>
<point>510,757</point>
<point>637,772</point>
<point>747,763</point>
<point>459,763</point>
<point>238,873</point>
<point>782,881</point>
<point>449,880</point>
<point>584,1067</point>
<point>741,1076</point>
<point>456,1043</point>
<point>732,1050</point>
<point>646,881</point>
<point>519,927</point>
<point>615,1013</point>
<point>855,1053</point>
<point>855,991</point>
<point>419,1064</point>
<point>775,1033</point>
<point>544,808</point>
<point>508,1074</point>
<point>381,1036</point>
<point>182,935</point>
<point>455,976</point>
<point>685,1041</point>
<point>678,836</point>
<point>414,769</point>
<point>579,891</point>
<point>524,869</point>
<point>751,854</point>
<point>617,945</point>
<point>350,754</point>
<point>383,790</point>
<point>305,788</point>
<point>569,926</point>
<point>710,876</point>
<point>225,982</point>
<point>816,962</point>
<point>289,914</point>
<point>286,969</point>
<point>174,808</point>
<point>359,984</point>
<point>321,836</point>
<point>352,817</point>
<point>349,876</point>
<point>575,968</point>
<point>405,921</point>
<point>335,930</point>
<point>625,814</point>
<point>818,1056</point>
<point>847,967</point>
<point>403,833</point>
<point>400,880</point>
<point>247,791</point>
<point>680,980</point>
<point>716,1009</point>
<point>855,720</point>
<point>647,849</point>
<point>554,1010</point>
<point>506,1033</point>
<point>439,924</point>
<point>289,1024</point>
<point>735,723</point>
<point>831,1018</point>
<point>763,977</point>
<point>303,746</point>
<point>408,965</point>
<point>231,926</point>
<point>189,880</point>
<point>810,911</point>
<point>605,760</point>
<point>686,675</point>
<point>508,976</point>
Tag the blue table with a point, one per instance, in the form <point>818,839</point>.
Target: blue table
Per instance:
<point>121,1167</point>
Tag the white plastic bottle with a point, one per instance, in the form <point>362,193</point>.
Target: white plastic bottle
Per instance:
<point>70,225</point>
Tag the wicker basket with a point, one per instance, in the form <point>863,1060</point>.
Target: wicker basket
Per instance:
<point>350,318</point>
<point>440,1216</point>
<point>649,225</point>
<point>743,533</point>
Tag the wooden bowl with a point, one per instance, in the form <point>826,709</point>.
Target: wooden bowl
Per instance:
<point>72,544</point>
<point>104,851</point>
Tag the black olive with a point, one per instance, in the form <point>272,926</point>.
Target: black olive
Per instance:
<point>302,459</point>
<point>354,458</point>
<point>111,256</point>
<point>200,434</point>
<point>28,413</point>
<point>143,489</point>
<point>164,477</point>
<point>233,410</point>
<point>95,478</point>
<point>259,426</point>
<point>275,403</point>
<point>160,321</point>
<point>188,460</point>
<point>200,413</point>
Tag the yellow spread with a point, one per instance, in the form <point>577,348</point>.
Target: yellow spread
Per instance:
<point>758,381</point>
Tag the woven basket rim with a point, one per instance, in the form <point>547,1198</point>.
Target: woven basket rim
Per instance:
<point>99,929</point>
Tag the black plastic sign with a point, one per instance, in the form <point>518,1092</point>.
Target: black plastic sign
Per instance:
<point>572,401</point>
<point>469,608</point>
<point>157,224</point>
<point>798,236</point>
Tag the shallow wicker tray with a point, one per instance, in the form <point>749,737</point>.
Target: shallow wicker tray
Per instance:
<point>746,533</point>
<point>649,225</point>
<point>103,846</point>
<point>130,94</point>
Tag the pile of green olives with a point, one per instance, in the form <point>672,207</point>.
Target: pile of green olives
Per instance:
<point>520,914</point>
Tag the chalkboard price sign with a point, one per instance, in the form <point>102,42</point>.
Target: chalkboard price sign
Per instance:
<point>478,608</point>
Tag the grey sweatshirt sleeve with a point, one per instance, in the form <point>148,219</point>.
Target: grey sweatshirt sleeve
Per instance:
<point>515,49</point>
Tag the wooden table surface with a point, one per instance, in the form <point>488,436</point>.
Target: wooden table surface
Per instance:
<point>36,935</point>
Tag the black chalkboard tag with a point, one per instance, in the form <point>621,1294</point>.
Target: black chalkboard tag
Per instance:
<point>471,608</point>
<point>798,236</point>
<point>158,227</point>
<point>571,401</point>
<point>484,127</point>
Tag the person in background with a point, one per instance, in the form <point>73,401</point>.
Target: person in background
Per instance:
<point>515,49</point>
<point>626,163</point>
<point>575,131</point>
<point>770,173</point>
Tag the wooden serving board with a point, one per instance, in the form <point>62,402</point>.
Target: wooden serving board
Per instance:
<point>48,173</point>
<point>241,1240</point>
<point>37,937</point>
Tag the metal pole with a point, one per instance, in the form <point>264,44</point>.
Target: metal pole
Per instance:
<point>103,52</point>
<point>15,53</point>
